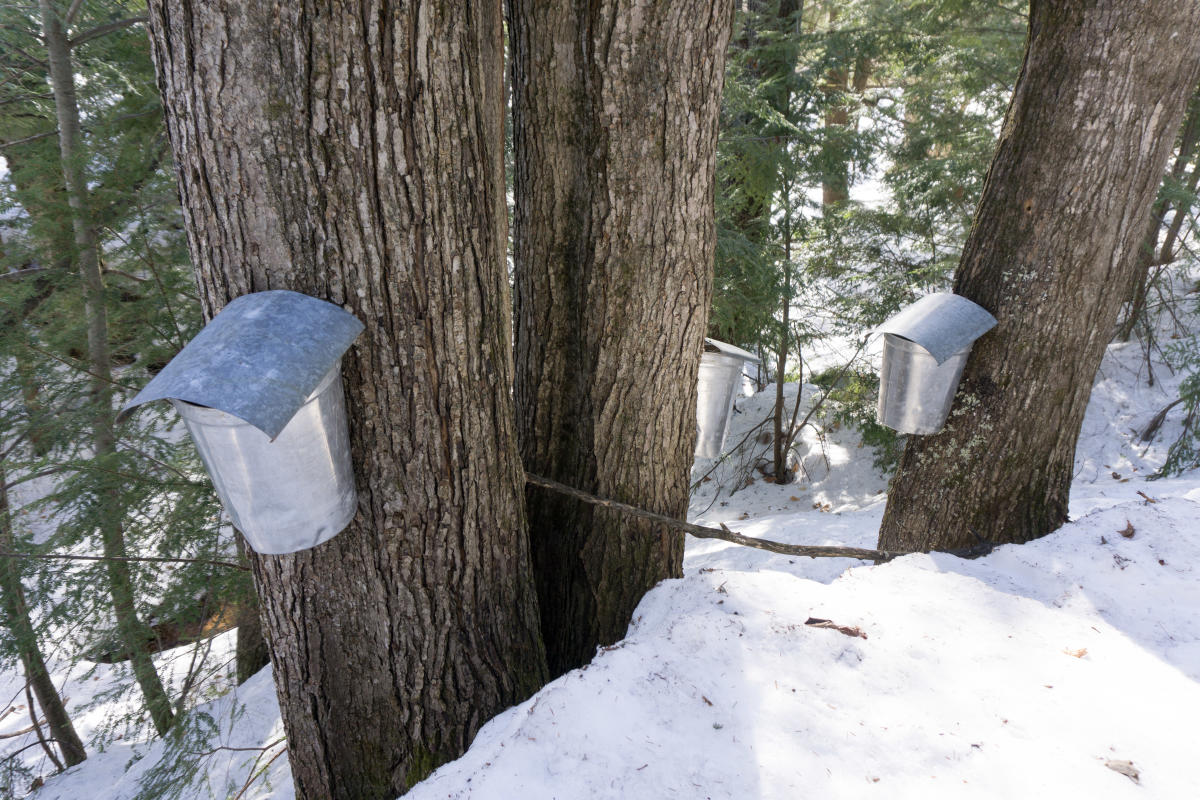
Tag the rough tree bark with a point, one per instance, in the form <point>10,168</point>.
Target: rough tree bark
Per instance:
<point>356,155</point>
<point>1093,118</point>
<point>614,128</point>
<point>100,395</point>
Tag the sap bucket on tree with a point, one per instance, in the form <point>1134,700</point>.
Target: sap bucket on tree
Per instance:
<point>718,384</point>
<point>925,348</point>
<point>260,390</point>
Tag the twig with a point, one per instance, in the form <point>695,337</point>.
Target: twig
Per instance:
<point>35,137</point>
<point>135,449</point>
<point>150,559</point>
<point>18,752</point>
<point>216,750</point>
<point>700,532</point>
<point>30,477</point>
<point>1157,420</point>
<point>87,36</point>
<point>728,452</point>
<point>78,368</point>
<point>22,732</point>
<point>255,772</point>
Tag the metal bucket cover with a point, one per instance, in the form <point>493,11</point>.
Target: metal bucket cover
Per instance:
<point>943,324</point>
<point>259,359</point>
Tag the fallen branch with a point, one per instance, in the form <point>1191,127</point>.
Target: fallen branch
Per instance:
<point>814,622</point>
<point>701,532</point>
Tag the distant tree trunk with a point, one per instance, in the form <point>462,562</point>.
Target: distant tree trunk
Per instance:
<point>252,653</point>
<point>20,626</point>
<point>358,157</point>
<point>87,255</point>
<point>1092,121</point>
<point>614,129</point>
<point>1150,254</point>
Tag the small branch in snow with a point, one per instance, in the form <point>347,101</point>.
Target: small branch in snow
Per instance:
<point>701,532</point>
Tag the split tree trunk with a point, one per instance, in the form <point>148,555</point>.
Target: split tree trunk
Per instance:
<point>1093,118</point>
<point>357,156</point>
<point>614,129</point>
<point>100,395</point>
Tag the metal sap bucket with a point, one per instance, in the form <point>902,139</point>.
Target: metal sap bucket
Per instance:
<point>718,384</point>
<point>925,349</point>
<point>286,494</point>
<point>260,391</point>
<point>915,391</point>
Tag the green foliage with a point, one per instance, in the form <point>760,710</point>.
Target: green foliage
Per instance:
<point>852,398</point>
<point>152,486</point>
<point>902,100</point>
<point>1184,453</point>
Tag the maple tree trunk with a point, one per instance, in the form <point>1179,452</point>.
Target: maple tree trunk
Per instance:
<point>614,128</point>
<point>358,157</point>
<point>1093,119</point>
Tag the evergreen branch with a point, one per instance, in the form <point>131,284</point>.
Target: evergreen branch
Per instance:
<point>101,30</point>
<point>28,139</point>
<point>17,274</point>
<point>123,274</point>
<point>78,368</point>
<point>25,98</point>
<point>137,559</point>
<point>162,289</point>
<point>30,477</point>
<point>46,134</point>
<point>135,449</point>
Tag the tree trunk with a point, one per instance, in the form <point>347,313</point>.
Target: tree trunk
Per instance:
<point>87,256</point>
<point>358,157</point>
<point>1149,255</point>
<point>614,129</point>
<point>20,626</point>
<point>1093,118</point>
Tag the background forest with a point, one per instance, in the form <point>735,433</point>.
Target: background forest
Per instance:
<point>855,138</point>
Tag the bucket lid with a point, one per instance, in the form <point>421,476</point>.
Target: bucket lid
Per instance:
<point>730,350</point>
<point>942,323</point>
<point>258,359</point>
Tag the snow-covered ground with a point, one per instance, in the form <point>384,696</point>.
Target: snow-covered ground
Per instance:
<point>1068,667</point>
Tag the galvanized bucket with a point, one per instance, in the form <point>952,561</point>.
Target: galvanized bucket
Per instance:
<point>925,348</point>
<point>717,388</point>
<point>286,494</point>
<point>261,392</point>
<point>718,384</point>
<point>915,392</point>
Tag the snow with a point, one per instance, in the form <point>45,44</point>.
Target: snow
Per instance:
<point>1037,669</point>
